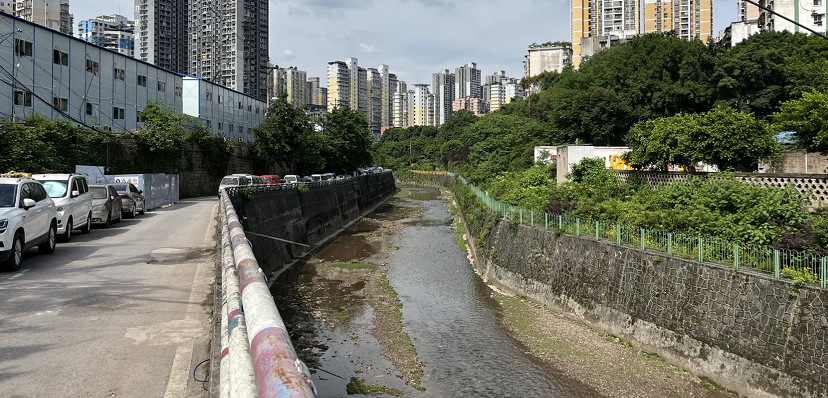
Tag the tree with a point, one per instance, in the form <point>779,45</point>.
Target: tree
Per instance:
<point>348,143</point>
<point>730,139</point>
<point>287,137</point>
<point>807,118</point>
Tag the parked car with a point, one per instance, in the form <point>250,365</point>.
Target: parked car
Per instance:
<point>290,179</point>
<point>253,179</point>
<point>270,179</point>
<point>70,193</point>
<point>306,179</point>
<point>132,199</point>
<point>316,177</point>
<point>28,218</point>
<point>328,176</point>
<point>233,181</point>
<point>106,204</point>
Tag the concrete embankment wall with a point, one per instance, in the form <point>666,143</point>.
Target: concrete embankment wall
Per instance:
<point>306,217</point>
<point>746,331</point>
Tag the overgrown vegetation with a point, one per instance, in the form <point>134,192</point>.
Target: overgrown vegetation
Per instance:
<point>39,145</point>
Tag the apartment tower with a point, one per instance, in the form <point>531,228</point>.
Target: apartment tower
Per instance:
<point>442,87</point>
<point>689,19</point>
<point>115,32</point>
<point>400,110</point>
<point>161,33</point>
<point>467,81</point>
<point>53,14</point>
<point>373,85</point>
<point>807,13</point>
<point>592,18</point>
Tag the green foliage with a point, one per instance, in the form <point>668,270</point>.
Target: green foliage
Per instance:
<point>530,188</point>
<point>303,188</point>
<point>807,118</point>
<point>730,139</point>
<point>287,137</point>
<point>800,277</point>
<point>593,180</point>
<point>348,144</point>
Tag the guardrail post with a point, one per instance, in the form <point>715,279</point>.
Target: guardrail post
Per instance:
<point>597,231</point>
<point>824,266</point>
<point>520,210</point>
<point>532,217</point>
<point>670,244</point>
<point>736,257</point>
<point>546,217</point>
<point>578,226</point>
<point>701,251</point>
<point>560,221</point>
<point>618,234</point>
<point>776,270</point>
<point>643,247</point>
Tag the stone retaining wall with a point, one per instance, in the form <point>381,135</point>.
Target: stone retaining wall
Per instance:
<point>747,332</point>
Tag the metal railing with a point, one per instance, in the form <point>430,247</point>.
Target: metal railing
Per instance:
<point>296,185</point>
<point>812,266</point>
<point>257,356</point>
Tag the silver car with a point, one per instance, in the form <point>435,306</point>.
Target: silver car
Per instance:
<point>133,199</point>
<point>106,204</point>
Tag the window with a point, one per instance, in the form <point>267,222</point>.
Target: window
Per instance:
<point>177,91</point>
<point>162,86</point>
<point>39,193</point>
<point>60,58</point>
<point>209,124</point>
<point>117,113</point>
<point>119,74</point>
<point>257,110</point>
<point>240,105</point>
<point>142,80</point>
<point>23,48</point>
<point>209,96</point>
<point>88,108</point>
<point>92,66</point>
<point>250,108</point>
<point>818,19</point>
<point>817,2</point>
<point>61,104</point>
<point>23,98</point>
<point>25,193</point>
<point>219,98</point>
<point>241,129</point>
<point>221,127</point>
<point>231,128</point>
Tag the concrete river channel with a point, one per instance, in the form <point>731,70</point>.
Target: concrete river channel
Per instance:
<point>392,307</point>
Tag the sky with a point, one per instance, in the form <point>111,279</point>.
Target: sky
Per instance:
<point>414,37</point>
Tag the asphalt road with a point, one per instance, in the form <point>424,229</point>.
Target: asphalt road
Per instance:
<point>120,312</point>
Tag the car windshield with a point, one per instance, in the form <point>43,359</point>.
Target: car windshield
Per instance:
<point>7,194</point>
<point>98,192</point>
<point>121,187</point>
<point>55,189</point>
<point>266,180</point>
<point>229,181</point>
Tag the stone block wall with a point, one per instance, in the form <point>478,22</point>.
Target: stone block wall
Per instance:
<point>200,175</point>
<point>746,331</point>
<point>306,217</point>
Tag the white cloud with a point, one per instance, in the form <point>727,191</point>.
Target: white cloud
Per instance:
<point>287,54</point>
<point>367,47</point>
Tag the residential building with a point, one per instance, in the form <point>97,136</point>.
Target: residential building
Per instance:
<point>161,33</point>
<point>474,105</point>
<point>228,43</point>
<point>115,32</point>
<point>400,110</point>
<point>546,59</point>
<point>7,6</point>
<point>317,111</point>
<point>314,92</point>
<point>388,88</point>
<point>747,11</point>
<point>443,86</point>
<point>602,18</point>
<point>296,86</point>
<point>807,13</point>
<point>689,19</point>
<point>467,81</point>
<point>339,83</point>
<point>420,106</point>
<point>92,85</point>
<point>373,116</point>
<point>54,14</point>
<point>737,32</point>
<point>593,44</point>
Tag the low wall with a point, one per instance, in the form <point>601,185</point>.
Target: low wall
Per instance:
<point>749,333</point>
<point>306,217</point>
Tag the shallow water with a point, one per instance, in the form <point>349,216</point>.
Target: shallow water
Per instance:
<point>447,310</point>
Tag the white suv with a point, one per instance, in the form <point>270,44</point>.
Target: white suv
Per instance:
<point>28,218</point>
<point>73,200</point>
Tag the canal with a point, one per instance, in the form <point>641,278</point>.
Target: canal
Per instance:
<point>392,307</point>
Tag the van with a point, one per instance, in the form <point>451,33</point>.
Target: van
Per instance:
<point>328,176</point>
<point>233,181</point>
<point>71,195</point>
<point>316,177</point>
<point>290,179</point>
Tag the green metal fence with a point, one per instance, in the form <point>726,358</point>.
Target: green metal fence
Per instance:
<point>674,244</point>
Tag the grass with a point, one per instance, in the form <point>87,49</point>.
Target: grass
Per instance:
<point>351,266</point>
<point>521,316</point>
<point>358,386</point>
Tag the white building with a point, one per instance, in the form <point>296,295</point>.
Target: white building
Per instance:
<point>65,78</point>
<point>115,32</point>
<point>420,106</point>
<point>467,82</point>
<point>546,59</point>
<point>808,13</point>
<point>53,14</point>
<point>400,117</point>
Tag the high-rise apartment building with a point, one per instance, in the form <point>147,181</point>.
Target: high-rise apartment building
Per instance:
<point>52,14</point>
<point>317,95</point>
<point>500,90</point>
<point>420,106</point>
<point>161,33</point>
<point>387,90</point>
<point>115,32</point>
<point>339,83</point>
<point>291,82</point>
<point>747,11</point>
<point>467,81</point>
<point>400,110</point>
<point>602,18</point>
<point>228,43</point>
<point>477,106</point>
<point>442,86</point>
<point>689,19</point>
<point>373,83</point>
<point>807,13</point>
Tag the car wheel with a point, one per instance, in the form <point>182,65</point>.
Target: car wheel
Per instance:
<point>48,247</point>
<point>68,234</point>
<point>88,227</point>
<point>108,222</point>
<point>142,209</point>
<point>131,213</point>
<point>120,216</point>
<point>15,260</point>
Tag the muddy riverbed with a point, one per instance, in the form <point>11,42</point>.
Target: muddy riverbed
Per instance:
<point>392,307</point>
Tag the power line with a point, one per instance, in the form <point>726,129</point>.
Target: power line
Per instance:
<point>822,35</point>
